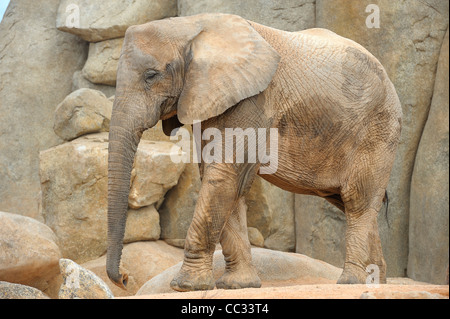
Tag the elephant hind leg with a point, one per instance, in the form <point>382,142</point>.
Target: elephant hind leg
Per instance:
<point>363,256</point>
<point>239,271</point>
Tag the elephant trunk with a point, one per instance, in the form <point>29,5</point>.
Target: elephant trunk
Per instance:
<point>123,142</point>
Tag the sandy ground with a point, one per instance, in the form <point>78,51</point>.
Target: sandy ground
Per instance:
<point>396,288</point>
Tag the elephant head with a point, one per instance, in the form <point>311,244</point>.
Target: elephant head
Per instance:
<point>177,70</point>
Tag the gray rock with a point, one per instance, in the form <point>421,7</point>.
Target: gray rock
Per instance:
<point>271,210</point>
<point>16,291</point>
<point>82,112</point>
<point>142,224</point>
<point>37,63</point>
<point>28,251</point>
<point>80,283</point>
<point>80,82</point>
<point>102,20</point>
<point>255,237</point>
<point>103,60</point>
<point>74,192</point>
<point>271,266</point>
<point>154,173</point>
<point>289,15</point>
<point>179,204</point>
<point>319,229</point>
<point>429,209</point>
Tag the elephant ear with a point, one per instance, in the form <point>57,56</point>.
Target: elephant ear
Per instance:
<point>227,61</point>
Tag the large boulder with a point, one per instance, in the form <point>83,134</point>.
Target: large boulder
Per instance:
<point>178,207</point>
<point>101,20</point>
<point>319,229</point>
<point>289,15</point>
<point>272,266</point>
<point>37,63</point>
<point>80,82</point>
<point>408,47</point>
<point>142,224</point>
<point>81,283</point>
<point>429,209</point>
<point>74,192</point>
<point>28,251</point>
<point>103,60</point>
<point>271,210</point>
<point>154,173</point>
<point>16,291</point>
<point>81,112</point>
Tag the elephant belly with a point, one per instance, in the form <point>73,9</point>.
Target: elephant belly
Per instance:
<point>307,168</point>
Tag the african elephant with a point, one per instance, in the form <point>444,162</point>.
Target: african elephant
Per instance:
<point>337,114</point>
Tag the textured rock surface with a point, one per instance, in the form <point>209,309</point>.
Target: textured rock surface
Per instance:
<point>74,184</point>
<point>142,224</point>
<point>36,65</point>
<point>81,112</point>
<point>319,229</point>
<point>429,209</point>
<point>80,82</point>
<point>16,291</point>
<point>154,173</point>
<point>102,62</point>
<point>271,266</point>
<point>28,251</point>
<point>101,20</point>
<point>271,210</point>
<point>179,205</point>
<point>408,47</point>
<point>290,15</point>
<point>74,188</point>
<point>156,134</point>
<point>81,283</point>
<point>255,237</point>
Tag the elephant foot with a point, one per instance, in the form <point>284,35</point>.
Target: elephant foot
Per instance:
<point>348,278</point>
<point>353,274</point>
<point>189,281</point>
<point>238,279</point>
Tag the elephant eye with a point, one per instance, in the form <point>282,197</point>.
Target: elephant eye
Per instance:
<point>149,75</point>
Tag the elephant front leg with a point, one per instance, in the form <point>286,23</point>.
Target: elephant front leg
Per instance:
<point>239,271</point>
<point>217,199</point>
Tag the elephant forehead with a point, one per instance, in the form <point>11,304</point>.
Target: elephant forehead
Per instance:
<point>145,44</point>
<point>163,35</point>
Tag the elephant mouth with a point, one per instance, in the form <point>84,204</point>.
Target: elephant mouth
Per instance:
<point>170,122</point>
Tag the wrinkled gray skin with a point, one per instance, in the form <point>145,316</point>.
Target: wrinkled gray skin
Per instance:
<point>336,111</point>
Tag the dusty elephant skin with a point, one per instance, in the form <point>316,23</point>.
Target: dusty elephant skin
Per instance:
<point>337,114</point>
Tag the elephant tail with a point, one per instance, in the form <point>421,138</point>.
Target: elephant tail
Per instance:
<point>386,200</point>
